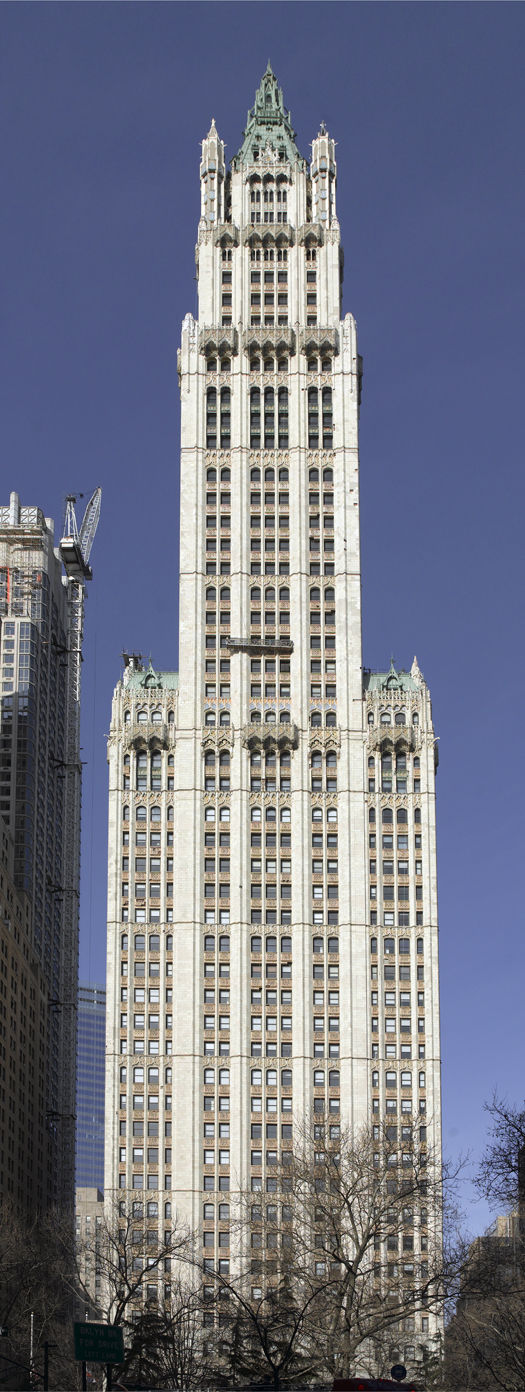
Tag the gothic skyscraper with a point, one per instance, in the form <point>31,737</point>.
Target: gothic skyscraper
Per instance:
<point>272,878</point>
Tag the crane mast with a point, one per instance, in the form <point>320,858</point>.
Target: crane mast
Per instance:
<point>75,548</point>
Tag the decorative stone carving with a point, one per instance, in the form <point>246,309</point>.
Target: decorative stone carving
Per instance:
<point>278,338</point>
<point>218,339</point>
<point>226,232</point>
<point>311,232</point>
<point>259,736</point>
<point>319,340</point>
<point>268,233</point>
<point>407,735</point>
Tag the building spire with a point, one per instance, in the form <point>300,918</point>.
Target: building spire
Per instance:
<point>268,125</point>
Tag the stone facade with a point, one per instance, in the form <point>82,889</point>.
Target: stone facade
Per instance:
<point>276,905</point>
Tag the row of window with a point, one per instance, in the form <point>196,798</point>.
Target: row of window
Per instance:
<point>385,717</point>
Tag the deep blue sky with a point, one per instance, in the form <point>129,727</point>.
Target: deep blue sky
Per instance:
<point>103,108</point>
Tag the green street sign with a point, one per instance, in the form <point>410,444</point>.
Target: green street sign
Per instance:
<point>98,1343</point>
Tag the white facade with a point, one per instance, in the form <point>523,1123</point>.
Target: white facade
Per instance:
<point>285,907</point>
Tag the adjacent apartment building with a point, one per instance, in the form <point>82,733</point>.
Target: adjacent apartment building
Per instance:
<point>272,904</point>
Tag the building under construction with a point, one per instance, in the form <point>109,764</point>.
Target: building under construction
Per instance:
<point>42,592</point>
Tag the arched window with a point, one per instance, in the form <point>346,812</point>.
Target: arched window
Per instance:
<point>255,421</point>
<point>328,434</point>
<point>255,474</point>
<point>211,365</point>
<point>142,717</point>
<point>328,475</point>
<point>255,717</point>
<point>171,717</point>
<point>225,365</point>
<point>225,475</point>
<point>209,717</point>
<point>269,418</point>
<point>225,593</point>
<point>284,718</point>
<point>211,475</point>
<point>283,475</point>
<point>313,419</point>
<point>315,720</point>
<point>269,718</point>
<point>387,816</point>
<point>211,418</point>
<point>225,417</point>
<point>370,717</point>
<point>330,718</point>
<point>224,718</point>
<point>283,417</point>
<point>385,717</point>
<point>371,814</point>
<point>400,718</point>
<point>210,595</point>
<point>142,772</point>
<point>314,476</point>
<point>415,718</point>
<point>268,364</point>
<point>255,595</point>
<point>284,595</point>
<point>127,717</point>
<point>269,476</point>
<point>402,816</point>
<point>269,595</point>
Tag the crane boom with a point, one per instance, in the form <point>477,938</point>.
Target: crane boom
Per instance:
<point>90,523</point>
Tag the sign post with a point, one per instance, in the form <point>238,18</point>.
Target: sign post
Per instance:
<point>98,1343</point>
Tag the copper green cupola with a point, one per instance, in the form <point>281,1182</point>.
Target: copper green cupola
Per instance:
<point>268,127</point>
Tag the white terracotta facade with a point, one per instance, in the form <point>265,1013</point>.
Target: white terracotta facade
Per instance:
<point>271,891</point>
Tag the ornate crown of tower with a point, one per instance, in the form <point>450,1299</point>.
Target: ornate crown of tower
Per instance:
<point>268,126</point>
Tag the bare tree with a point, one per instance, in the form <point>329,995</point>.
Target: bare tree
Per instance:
<point>332,1267</point>
<point>501,1172</point>
<point>368,1218</point>
<point>36,1291</point>
<point>485,1341</point>
<point>134,1264</point>
<point>169,1346</point>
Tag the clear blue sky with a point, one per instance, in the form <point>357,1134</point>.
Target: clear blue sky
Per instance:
<point>103,107</point>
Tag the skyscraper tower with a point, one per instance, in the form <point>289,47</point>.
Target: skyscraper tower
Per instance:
<point>41,622</point>
<point>91,1064</point>
<point>272,811</point>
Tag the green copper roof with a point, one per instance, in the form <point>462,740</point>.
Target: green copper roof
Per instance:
<point>151,680</point>
<point>390,681</point>
<point>268,124</point>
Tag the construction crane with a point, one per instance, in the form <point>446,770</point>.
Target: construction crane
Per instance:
<point>74,552</point>
<point>75,546</point>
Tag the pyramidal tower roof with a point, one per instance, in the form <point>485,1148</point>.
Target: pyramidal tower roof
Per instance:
<point>268,126</point>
